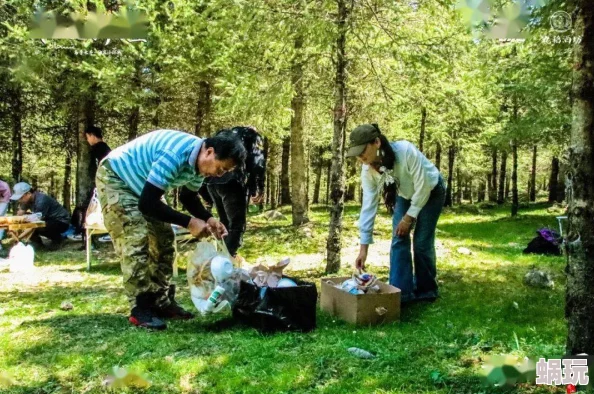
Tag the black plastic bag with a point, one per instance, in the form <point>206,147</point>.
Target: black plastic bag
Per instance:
<point>271,309</point>
<point>546,242</point>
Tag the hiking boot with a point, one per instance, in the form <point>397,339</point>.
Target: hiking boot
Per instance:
<point>142,315</point>
<point>173,310</point>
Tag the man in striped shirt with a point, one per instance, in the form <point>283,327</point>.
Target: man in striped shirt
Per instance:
<point>131,182</point>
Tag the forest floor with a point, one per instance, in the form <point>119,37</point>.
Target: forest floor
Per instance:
<point>484,309</point>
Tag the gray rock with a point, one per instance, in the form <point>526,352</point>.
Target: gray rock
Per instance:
<point>538,278</point>
<point>274,215</point>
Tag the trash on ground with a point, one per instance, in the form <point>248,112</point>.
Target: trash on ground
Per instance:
<point>355,351</point>
<point>538,278</point>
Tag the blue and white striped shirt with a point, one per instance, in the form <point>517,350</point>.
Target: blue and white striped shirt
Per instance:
<point>165,158</point>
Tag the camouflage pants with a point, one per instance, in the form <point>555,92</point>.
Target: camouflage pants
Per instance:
<point>145,245</point>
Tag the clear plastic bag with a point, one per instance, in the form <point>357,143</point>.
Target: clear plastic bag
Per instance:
<point>94,216</point>
<point>21,258</point>
<point>203,284</point>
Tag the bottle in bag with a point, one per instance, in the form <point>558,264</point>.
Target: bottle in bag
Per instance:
<point>214,302</point>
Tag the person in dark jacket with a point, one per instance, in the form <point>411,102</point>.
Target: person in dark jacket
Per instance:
<point>55,216</point>
<point>99,149</point>
<point>231,193</point>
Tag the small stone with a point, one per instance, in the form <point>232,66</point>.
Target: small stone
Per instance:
<point>66,306</point>
<point>275,215</point>
<point>538,278</point>
<point>464,251</point>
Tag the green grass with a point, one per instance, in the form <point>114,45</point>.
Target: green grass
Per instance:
<point>435,348</point>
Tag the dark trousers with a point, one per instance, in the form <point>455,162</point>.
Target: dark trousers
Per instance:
<point>231,201</point>
<point>53,230</point>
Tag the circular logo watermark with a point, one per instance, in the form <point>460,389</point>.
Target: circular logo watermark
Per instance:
<point>560,21</point>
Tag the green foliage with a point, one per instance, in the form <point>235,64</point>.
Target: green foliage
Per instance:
<point>402,57</point>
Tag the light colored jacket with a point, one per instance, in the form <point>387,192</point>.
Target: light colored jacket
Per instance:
<point>416,177</point>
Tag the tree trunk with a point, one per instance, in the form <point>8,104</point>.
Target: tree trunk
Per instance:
<point>134,117</point>
<point>553,180</point>
<point>507,178</point>
<point>493,177</point>
<point>561,183</point>
<point>175,198</point>
<point>267,192</point>
<point>458,186</point>
<point>203,109</point>
<point>318,173</point>
<point>273,169</point>
<point>579,307</point>
<point>285,184</point>
<point>298,163</point>
<point>17,134</point>
<point>52,187</point>
<point>83,157</point>
<point>438,156</point>
<point>451,158</point>
<point>515,203</point>
<point>422,134</point>
<point>67,181</point>
<point>334,243</point>
<point>328,170</point>
<point>351,184</point>
<point>501,196</point>
<point>156,119</point>
<point>481,190</point>
<point>533,176</point>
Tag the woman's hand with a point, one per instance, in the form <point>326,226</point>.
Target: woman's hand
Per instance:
<point>216,228</point>
<point>403,228</point>
<point>360,261</point>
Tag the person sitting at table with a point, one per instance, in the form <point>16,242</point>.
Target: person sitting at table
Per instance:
<point>4,200</point>
<point>55,216</point>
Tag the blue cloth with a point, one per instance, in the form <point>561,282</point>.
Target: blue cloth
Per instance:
<point>164,158</point>
<point>68,232</point>
<point>423,283</point>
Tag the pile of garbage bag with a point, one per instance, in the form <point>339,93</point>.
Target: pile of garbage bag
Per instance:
<point>261,297</point>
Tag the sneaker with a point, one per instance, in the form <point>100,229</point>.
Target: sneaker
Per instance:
<point>142,315</point>
<point>105,238</point>
<point>75,237</point>
<point>173,310</point>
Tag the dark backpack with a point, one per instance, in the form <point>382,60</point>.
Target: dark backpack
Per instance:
<point>255,163</point>
<point>547,241</point>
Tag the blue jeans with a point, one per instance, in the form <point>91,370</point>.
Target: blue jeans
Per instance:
<point>422,284</point>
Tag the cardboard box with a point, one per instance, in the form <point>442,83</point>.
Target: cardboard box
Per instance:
<point>360,309</point>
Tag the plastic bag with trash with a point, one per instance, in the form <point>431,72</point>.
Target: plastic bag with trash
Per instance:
<point>21,258</point>
<point>94,216</point>
<point>33,217</point>
<point>214,281</point>
<point>271,276</point>
<point>360,283</point>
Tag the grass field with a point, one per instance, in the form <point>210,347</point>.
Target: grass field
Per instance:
<point>484,309</point>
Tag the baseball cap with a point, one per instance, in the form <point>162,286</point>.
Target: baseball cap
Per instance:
<point>360,137</point>
<point>19,189</point>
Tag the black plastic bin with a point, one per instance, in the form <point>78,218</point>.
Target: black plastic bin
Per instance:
<point>275,309</point>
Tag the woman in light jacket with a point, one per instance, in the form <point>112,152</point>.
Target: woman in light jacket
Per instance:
<point>418,191</point>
